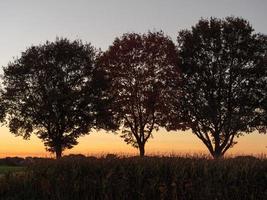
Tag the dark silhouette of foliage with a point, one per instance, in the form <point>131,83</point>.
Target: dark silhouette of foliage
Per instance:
<point>56,91</point>
<point>221,63</point>
<point>261,94</point>
<point>150,178</point>
<point>2,111</point>
<point>141,69</point>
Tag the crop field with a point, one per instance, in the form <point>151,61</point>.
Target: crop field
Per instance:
<point>10,169</point>
<point>149,178</point>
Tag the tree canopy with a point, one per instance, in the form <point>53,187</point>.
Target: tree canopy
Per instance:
<point>221,62</point>
<point>213,82</point>
<point>141,68</point>
<point>56,91</point>
<point>261,95</point>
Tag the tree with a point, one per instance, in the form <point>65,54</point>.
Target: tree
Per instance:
<point>56,91</point>
<point>261,95</point>
<point>2,108</point>
<point>221,61</point>
<point>141,69</point>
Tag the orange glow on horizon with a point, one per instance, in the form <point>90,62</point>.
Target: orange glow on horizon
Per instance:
<point>102,143</point>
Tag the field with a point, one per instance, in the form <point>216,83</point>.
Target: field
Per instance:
<point>149,178</point>
<point>10,169</point>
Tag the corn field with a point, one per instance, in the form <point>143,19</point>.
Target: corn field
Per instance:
<point>159,178</point>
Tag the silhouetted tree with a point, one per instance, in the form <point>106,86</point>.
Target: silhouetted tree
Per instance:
<point>261,94</point>
<point>221,61</point>
<point>56,91</point>
<point>2,108</point>
<point>141,69</point>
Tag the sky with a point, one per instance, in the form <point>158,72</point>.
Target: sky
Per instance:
<point>32,22</point>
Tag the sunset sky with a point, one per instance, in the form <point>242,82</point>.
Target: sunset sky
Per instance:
<point>31,22</point>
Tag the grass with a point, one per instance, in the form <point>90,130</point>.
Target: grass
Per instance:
<point>10,169</point>
<point>152,178</point>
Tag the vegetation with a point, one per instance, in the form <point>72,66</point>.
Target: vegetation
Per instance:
<point>261,96</point>
<point>213,82</point>
<point>56,91</point>
<point>10,169</point>
<point>136,178</point>
<point>223,69</point>
<point>141,68</point>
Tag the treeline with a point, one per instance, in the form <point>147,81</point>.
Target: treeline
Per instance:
<point>213,80</point>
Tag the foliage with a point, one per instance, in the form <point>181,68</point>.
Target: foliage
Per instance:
<point>10,169</point>
<point>154,178</point>
<point>261,94</point>
<point>141,69</point>
<point>56,91</point>
<point>222,66</point>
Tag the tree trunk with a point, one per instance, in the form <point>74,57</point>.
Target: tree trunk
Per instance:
<point>142,150</point>
<point>58,153</point>
<point>217,154</point>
